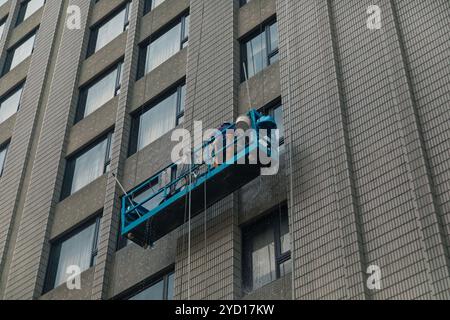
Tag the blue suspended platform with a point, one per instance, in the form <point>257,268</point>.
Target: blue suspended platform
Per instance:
<point>160,205</point>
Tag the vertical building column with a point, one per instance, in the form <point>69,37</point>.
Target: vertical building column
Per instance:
<point>428,205</point>
<point>212,269</point>
<point>111,212</point>
<point>6,213</point>
<point>327,252</point>
<point>28,266</point>
<point>12,7</point>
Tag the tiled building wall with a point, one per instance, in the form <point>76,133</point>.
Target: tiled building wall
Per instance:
<point>366,115</point>
<point>28,267</point>
<point>210,270</point>
<point>396,218</point>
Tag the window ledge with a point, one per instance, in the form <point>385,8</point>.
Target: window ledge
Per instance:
<point>280,289</point>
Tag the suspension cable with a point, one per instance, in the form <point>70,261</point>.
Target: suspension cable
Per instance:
<point>290,148</point>
<point>191,158</point>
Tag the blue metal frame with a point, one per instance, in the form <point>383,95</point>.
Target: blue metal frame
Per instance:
<point>130,207</point>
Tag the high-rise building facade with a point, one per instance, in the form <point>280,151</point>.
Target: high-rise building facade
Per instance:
<point>92,90</point>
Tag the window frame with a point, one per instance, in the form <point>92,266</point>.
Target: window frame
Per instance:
<point>144,45</point>
<point>93,37</point>
<point>71,160</point>
<point>136,115</point>
<point>10,53</point>
<point>270,52</point>
<point>82,99</point>
<point>269,110</point>
<point>22,10</point>
<point>148,6</point>
<point>4,148</point>
<point>254,228</point>
<point>3,25</point>
<point>55,249</point>
<point>8,94</point>
<point>149,282</point>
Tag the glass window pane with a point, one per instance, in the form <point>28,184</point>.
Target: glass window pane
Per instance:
<point>156,3</point>
<point>187,22</point>
<point>263,257</point>
<point>2,158</point>
<point>183,98</point>
<point>110,30</point>
<point>273,29</point>
<point>278,115</point>
<point>89,166</point>
<point>155,292</point>
<point>32,7</point>
<point>285,268</point>
<point>76,251</point>
<point>157,121</point>
<point>100,92</point>
<point>2,27</point>
<point>284,234</point>
<point>170,286</point>
<point>256,55</point>
<point>10,105</point>
<point>22,52</point>
<point>163,48</point>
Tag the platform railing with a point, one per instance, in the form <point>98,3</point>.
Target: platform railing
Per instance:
<point>194,174</point>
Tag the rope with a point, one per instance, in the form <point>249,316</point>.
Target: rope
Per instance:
<point>190,167</point>
<point>290,151</point>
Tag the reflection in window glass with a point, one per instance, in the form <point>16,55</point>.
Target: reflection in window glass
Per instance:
<point>10,105</point>
<point>2,27</point>
<point>155,292</point>
<point>3,152</point>
<point>266,250</point>
<point>77,249</point>
<point>165,46</point>
<point>109,30</point>
<point>162,289</point>
<point>151,4</point>
<point>101,92</point>
<point>170,286</point>
<point>89,166</point>
<point>158,119</point>
<point>260,51</point>
<point>263,258</point>
<point>31,7</point>
<point>20,53</point>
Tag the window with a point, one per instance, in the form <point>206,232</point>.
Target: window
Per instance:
<point>27,8</point>
<point>87,166</point>
<point>99,92</point>
<point>276,111</point>
<point>2,27</point>
<point>260,50</point>
<point>161,289</point>
<point>3,152</point>
<point>151,4</point>
<point>2,2</point>
<point>10,104</point>
<point>107,31</point>
<point>154,121</point>
<point>79,248</point>
<point>164,46</point>
<point>266,250</point>
<point>19,53</point>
